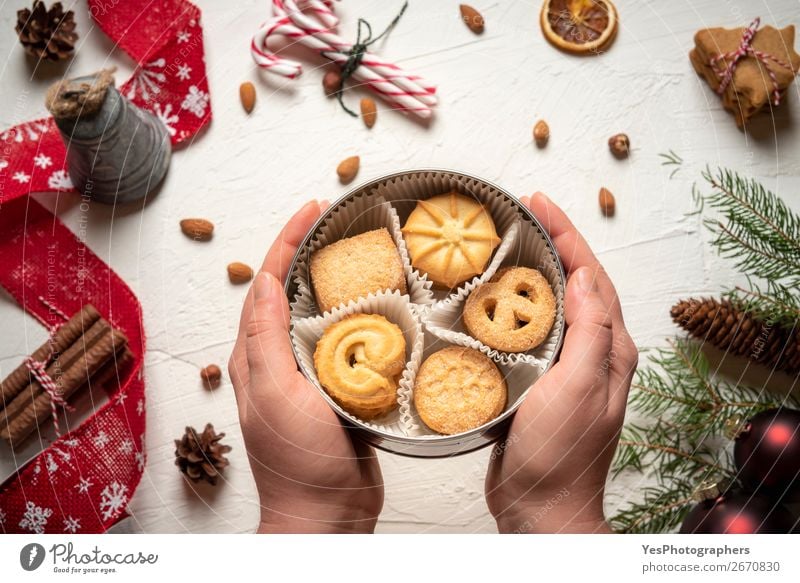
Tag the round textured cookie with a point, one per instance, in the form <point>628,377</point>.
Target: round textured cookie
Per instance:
<point>513,312</point>
<point>359,360</point>
<point>458,389</point>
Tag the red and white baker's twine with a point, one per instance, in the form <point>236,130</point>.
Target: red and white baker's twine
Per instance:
<point>746,48</point>
<point>312,23</point>
<point>39,370</point>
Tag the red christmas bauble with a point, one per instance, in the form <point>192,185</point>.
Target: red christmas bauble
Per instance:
<point>739,512</point>
<point>767,452</point>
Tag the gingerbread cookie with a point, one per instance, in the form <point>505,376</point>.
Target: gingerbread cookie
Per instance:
<point>359,361</point>
<point>354,267</point>
<point>513,312</point>
<point>450,237</point>
<point>458,389</point>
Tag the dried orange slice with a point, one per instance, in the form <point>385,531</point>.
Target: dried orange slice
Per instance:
<point>579,26</point>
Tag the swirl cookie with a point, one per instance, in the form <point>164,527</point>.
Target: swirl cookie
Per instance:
<point>513,312</point>
<point>450,237</point>
<point>352,268</point>
<point>458,389</point>
<point>359,361</point>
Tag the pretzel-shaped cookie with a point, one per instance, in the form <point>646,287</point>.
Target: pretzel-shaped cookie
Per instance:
<point>513,312</point>
<point>359,361</point>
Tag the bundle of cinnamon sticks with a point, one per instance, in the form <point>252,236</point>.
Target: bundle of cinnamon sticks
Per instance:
<point>86,348</point>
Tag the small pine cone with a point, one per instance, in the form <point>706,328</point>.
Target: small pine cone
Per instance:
<point>738,332</point>
<point>201,456</point>
<point>47,34</point>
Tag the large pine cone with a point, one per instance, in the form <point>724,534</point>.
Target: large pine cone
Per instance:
<point>738,332</point>
<point>201,456</point>
<point>47,34</point>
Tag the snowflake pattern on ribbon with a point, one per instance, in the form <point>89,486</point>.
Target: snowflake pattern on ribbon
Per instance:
<point>35,518</point>
<point>196,101</point>
<point>83,486</point>
<point>113,499</point>
<point>72,525</point>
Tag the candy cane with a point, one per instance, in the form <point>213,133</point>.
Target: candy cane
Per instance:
<point>311,22</point>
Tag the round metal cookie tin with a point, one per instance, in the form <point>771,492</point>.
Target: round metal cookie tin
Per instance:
<point>427,446</point>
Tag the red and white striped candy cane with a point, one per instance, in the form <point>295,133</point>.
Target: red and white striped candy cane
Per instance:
<point>312,23</point>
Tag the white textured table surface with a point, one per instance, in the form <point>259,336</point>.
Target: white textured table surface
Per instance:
<point>249,173</point>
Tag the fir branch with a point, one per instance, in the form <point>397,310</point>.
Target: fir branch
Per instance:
<point>671,159</point>
<point>661,509</point>
<point>755,227</point>
<point>681,447</point>
<point>778,305</point>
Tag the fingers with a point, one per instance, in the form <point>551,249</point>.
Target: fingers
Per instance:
<point>285,246</point>
<point>276,263</point>
<point>584,362</point>
<point>281,253</point>
<point>269,351</point>
<point>573,248</point>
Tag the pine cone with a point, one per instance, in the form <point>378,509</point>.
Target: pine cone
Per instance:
<point>201,457</point>
<point>47,34</point>
<point>738,332</point>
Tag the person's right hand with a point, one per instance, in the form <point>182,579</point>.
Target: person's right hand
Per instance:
<point>549,474</point>
<point>310,474</point>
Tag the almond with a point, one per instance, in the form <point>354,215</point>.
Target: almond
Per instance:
<point>369,112</point>
<point>247,93</point>
<point>472,18</point>
<point>239,272</point>
<point>348,168</point>
<point>212,376</point>
<point>332,82</point>
<point>197,229</point>
<point>607,203</point>
<point>541,133</point>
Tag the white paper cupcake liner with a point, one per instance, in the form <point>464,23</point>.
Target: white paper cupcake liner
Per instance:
<point>528,249</point>
<point>361,214</point>
<point>398,309</point>
<point>518,379</point>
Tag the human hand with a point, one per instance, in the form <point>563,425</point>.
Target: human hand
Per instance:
<point>310,476</point>
<point>549,475</point>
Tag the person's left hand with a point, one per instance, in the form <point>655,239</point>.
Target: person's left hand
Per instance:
<point>310,475</point>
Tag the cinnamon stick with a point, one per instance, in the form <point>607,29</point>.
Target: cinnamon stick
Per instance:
<point>91,357</point>
<point>63,361</point>
<point>64,337</point>
<point>74,378</point>
<point>114,368</point>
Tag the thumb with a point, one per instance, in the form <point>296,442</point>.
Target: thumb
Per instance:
<point>269,350</point>
<point>582,367</point>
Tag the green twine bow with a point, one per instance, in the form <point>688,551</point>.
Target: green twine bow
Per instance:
<point>359,48</point>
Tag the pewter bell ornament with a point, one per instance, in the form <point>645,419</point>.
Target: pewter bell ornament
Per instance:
<point>116,152</point>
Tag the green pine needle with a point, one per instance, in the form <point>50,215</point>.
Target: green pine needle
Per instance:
<point>754,227</point>
<point>691,409</point>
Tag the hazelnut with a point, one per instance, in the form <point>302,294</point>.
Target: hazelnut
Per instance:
<point>607,203</point>
<point>619,145</point>
<point>332,82</point>
<point>211,375</point>
<point>541,133</point>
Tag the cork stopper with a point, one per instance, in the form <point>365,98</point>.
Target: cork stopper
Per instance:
<point>71,98</point>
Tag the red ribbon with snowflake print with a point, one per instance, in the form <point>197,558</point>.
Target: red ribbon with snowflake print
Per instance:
<point>83,481</point>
